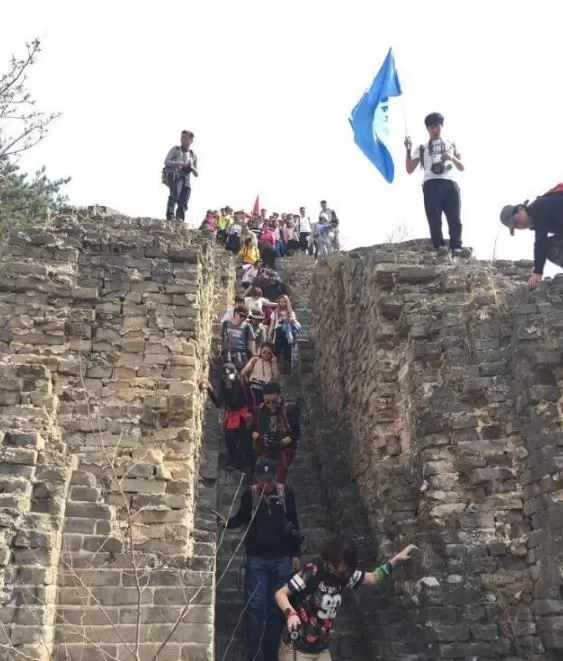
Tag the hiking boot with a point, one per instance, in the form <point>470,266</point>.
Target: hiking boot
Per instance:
<point>441,251</point>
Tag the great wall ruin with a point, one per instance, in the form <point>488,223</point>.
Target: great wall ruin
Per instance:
<point>434,395</point>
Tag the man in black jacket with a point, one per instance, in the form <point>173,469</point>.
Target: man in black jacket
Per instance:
<point>544,216</point>
<point>273,547</point>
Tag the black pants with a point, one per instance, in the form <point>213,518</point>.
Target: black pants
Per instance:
<point>239,447</point>
<point>304,241</point>
<point>178,199</point>
<point>283,350</point>
<point>442,196</point>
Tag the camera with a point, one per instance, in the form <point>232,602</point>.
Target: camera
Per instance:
<point>292,533</point>
<point>437,167</point>
<point>270,441</point>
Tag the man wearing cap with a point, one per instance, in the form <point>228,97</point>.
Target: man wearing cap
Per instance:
<point>544,216</point>
<point>273,547</point>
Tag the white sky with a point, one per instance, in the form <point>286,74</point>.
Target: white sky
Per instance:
<point>267,88</point>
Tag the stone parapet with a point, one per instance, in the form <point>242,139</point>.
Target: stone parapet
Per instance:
<point>106,327</point>
<point>439,392</point>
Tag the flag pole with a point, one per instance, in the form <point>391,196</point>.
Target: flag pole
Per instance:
<point>403,106</point>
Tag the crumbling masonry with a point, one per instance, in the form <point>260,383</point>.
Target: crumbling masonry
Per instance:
<point>105,333</point>
<point>434,397</point>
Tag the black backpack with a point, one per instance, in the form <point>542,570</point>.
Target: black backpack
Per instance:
<point>168,176</point>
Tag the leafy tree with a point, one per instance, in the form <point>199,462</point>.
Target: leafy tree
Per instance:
<point>25,200</point>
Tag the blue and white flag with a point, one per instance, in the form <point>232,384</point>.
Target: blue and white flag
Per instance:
<point>370,118</point>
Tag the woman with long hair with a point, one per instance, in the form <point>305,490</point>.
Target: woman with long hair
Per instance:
<point>283,327</point>
<point>261,370</point>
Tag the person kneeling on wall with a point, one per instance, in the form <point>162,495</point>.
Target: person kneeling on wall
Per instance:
<point>544,216</point>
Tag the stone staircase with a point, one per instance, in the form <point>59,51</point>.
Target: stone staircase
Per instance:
<point>304,479</point>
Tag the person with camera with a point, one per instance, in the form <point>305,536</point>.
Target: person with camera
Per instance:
<point>276,429</point>
<point>179,165</point>
<point>439,159</point>
<point>312,597</point>
<point>273,549</point>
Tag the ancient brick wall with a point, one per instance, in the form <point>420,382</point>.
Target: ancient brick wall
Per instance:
<point>439,399</point>
<point>105,332</point>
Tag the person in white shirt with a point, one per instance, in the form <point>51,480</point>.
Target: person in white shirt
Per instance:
<point>254,302</point>
<point>304,229</point>
<point>440,160</point>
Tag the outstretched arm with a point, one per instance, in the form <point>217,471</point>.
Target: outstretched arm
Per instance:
<point>383,572</point>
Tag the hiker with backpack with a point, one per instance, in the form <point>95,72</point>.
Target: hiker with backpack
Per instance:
<point>311,599</point>
<point>544,216</point>
<point>237,338</point>
<point>276,429</point>
<point>179,165</point>
<point>439,160</point>
<point>234,395</point>
<point>273,547</point>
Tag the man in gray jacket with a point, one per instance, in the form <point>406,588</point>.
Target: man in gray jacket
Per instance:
<point>180,163</point>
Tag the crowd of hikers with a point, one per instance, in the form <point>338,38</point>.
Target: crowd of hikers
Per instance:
<point>440,161</point>
<point>289,608</point>
<point>263,237</point>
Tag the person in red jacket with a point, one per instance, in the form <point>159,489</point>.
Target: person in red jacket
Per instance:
<point>545,217</point>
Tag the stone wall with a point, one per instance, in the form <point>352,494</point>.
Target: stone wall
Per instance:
<point>105,332</point>
<point>439,397</point>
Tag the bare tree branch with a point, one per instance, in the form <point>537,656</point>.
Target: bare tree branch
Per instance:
<point>20,128</point>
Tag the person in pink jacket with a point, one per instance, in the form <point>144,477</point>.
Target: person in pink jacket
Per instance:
<point>268,236</point>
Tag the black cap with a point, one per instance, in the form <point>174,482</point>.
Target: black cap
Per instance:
<point>266,468</point>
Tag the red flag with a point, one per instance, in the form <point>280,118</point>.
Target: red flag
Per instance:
<point>256,207</point>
